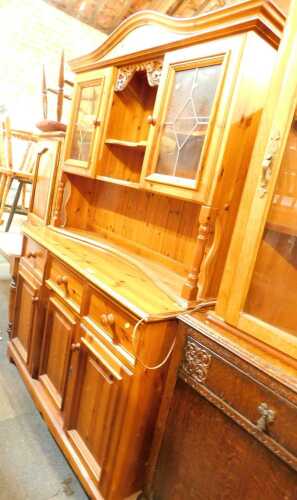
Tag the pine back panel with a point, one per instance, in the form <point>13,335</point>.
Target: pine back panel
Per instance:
<point>154,225</point>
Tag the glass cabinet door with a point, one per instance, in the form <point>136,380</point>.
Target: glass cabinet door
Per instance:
<point>185,112</point>
<point>272,295</point>
<point>86,123</point>
<point>186,121</point>
<point>258,293</point>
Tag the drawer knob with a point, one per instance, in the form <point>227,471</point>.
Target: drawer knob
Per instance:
<point>110,319</point>
<point>107,319</point>
<point>75,347</point>
<point>103,319</point>
<point>32,255</point>
<point>267,416</point>
<point>151,120</point>
<point>63,280</point>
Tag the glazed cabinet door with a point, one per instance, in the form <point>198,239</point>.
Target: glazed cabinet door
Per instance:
<point>99,399</point>
<point>192,93</point>
<point>44,181</point>
<point>92,94</point>
<point>259,288</point>
<point>28,322</point>
<point>56,350</point>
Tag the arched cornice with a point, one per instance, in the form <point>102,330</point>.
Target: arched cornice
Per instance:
<point>261,15</point>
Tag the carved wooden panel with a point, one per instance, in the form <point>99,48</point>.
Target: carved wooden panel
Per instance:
<point>195,364</point>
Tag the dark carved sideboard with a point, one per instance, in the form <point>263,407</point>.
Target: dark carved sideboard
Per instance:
<point>231,427</point>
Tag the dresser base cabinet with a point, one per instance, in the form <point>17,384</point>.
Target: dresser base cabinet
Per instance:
<point>218,441</point>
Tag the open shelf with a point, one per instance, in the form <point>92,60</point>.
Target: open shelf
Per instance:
<point>119,182</point>
<point>128,144</point>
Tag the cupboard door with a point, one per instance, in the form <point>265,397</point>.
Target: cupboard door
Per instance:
<point>56,350</point>
<point>84,134</point>
<point>96,415</point>
<point>185,115</point>
<point>259,287</point>
<point>26,327</point>
<point>44,182</point>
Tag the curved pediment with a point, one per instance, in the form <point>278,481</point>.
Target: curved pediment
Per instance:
<point>143,33</point>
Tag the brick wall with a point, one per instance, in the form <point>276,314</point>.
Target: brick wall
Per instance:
<point>32,33</point>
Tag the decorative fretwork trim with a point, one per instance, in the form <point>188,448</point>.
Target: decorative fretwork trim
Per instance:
<point>153,70</point>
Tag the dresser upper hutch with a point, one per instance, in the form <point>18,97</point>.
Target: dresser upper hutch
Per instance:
<point>163,121</point>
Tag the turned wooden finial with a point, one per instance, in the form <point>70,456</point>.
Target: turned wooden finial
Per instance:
<point>44,94</point>
<point>60,97</point>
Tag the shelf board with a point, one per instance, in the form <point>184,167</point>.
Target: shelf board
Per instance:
<point>120,182</point>
<point>127,144</point>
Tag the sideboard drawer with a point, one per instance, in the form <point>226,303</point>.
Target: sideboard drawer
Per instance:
<point>65,283</point>
<point>34,257</point>
<point>116,322</point>
<point>270,414</point>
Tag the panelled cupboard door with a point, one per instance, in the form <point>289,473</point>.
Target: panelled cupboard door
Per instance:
<point>25,328</point>
<point>259,289</point>
<point>99,399</point>
<point>92,96</point>
<point>58,343</point>
<point>191,105</point>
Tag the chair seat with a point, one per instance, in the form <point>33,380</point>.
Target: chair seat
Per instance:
<point>16,174</point>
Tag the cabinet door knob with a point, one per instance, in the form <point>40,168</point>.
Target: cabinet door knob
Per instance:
<point>151,120</point>
<point>97,123</point>
<point>267,416</point>
<point>75,347</point>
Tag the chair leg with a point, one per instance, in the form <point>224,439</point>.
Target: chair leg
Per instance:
<point>14,205</point>
<point>24,192</point>
<point>2,184</point>
<point>6,189</point>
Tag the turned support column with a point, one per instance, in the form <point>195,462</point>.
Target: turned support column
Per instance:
<point>206,221</point>
<point>59,203</point>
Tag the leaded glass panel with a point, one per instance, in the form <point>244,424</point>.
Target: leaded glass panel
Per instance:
<point>84,122</point>
<point>187,118</point>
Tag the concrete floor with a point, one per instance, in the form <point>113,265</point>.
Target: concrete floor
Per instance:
<point>31,464</point>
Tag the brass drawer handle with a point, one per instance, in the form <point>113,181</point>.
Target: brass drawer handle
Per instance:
<point>63,280</point>
<point>267,416</point>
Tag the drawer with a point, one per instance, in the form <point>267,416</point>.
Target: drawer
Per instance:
<point>269,413</point>
<point>65,283</point>
<point>34,257</point>
<point>111,318</point>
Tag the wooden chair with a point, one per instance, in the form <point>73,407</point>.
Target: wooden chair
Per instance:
<point>18,153</point>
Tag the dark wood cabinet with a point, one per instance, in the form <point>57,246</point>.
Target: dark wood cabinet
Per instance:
<point>230,429</point>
